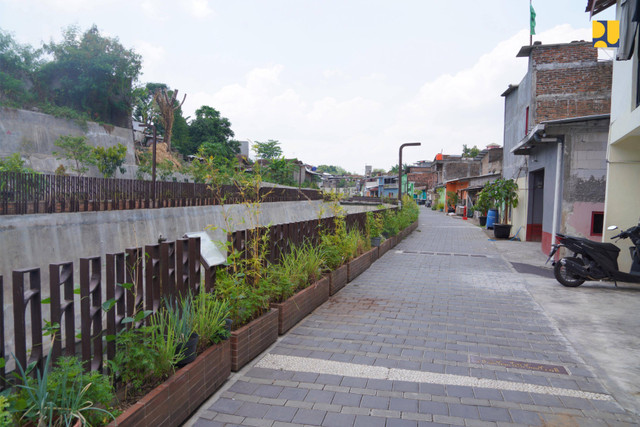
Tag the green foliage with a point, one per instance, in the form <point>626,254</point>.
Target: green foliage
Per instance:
<point>5,415</point>
<point>333,170</point>
<point>470,152</point>
<point>452,198</point>
<point>62,396</point>
<point>180,138</point>
<point>278,171</point>
<point>389,223</point>
<point>134,363</point>
<point>409,212</point>
<point>209,318</point>
<point>374,224</point>
<point>14,163</point>
<point>210,128</point>
<point>110,159</point>
<point>267,150</point>
<point>144,164</point>
<point>170,327</point>
<point>246,302</point>
<point>17,64</point>
<point>165,169</point>
<point>484,202</point>
<point>299,268</point>
<point>504,194</point>
<point>91,73</point>
<point>394,169</point>
<point>75,149</point>
<point>440,206</point>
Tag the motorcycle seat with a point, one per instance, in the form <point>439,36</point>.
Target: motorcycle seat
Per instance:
<point>609,247</point>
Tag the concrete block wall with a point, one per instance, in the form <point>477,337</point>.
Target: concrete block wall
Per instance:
<point>33,135</point>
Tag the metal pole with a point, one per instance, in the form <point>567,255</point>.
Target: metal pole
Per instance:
<point>153,167</point>
<point>556,197</point>
<point>408,144</point>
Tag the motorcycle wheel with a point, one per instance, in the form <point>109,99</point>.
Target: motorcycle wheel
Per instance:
<point>564,277</point>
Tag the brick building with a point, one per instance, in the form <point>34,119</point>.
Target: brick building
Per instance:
<point>555,136</point>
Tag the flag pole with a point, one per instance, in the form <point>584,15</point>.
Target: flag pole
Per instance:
<point>530,35</point>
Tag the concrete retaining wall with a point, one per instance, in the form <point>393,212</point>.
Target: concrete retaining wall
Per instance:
<point>33,134</point>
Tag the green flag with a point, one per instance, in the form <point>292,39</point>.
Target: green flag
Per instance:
<point>532,22</point>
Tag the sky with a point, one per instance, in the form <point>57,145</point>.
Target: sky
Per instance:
<point>338,82</point>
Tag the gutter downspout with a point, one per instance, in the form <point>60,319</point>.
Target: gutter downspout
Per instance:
<point>556,197</point>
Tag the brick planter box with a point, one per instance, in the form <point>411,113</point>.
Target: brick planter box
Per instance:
<point>358,265</point>
<point>173,401</point>
<point>301,304</point>
<point>373,254</point>
<point>253,338</point>
<point>339,279</point>
<point>384,247</point>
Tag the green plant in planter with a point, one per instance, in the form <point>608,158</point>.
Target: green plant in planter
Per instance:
<point>246,302</point>
<point>171,328</point>
<point>135,361</point>
<point>299,268</point>
<point>374,224</point>
<point>452,199</point>
<point>62,396</point>
<point>209,318</point>
<point>440,206</point>
<point>390,224</point>
<point>484,202</point>
<point>504,193</point>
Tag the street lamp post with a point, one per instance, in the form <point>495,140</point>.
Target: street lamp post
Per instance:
<point>153,162</point>
<point>408,144</point>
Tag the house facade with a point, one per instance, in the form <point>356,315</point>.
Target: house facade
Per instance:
<point>555,134</point>
<point>622,202</point>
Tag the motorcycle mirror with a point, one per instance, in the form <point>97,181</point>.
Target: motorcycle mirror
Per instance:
<point>612,227</point>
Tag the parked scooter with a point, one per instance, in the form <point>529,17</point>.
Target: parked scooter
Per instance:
<point>595,261</point>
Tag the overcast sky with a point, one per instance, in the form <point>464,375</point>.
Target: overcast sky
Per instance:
<point>340,82</point>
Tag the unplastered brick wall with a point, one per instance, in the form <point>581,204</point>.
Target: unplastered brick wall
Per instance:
<point>570,82</point>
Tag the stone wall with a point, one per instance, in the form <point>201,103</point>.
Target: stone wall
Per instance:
<point>33,134</point>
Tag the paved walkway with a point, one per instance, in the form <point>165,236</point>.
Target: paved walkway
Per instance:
<point>440,331</point>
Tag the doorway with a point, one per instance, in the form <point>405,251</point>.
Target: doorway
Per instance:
<point>536,201</point>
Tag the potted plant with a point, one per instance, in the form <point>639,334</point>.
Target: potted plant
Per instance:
<point>374,223</point>
<point>504,192</point>
<point>177,323</point>
<point>483,204</point>
<point>452,201</point>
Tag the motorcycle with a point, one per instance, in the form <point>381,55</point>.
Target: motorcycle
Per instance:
<point>594,260</point>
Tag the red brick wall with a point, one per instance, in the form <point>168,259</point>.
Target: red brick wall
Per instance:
<point>570,82</point>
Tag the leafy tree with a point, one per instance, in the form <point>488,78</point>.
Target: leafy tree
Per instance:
<point>165,170</point>
<point>108,160</point>
<point>470,152</point>
<point>90,73</point>
<point>17,63</point>
<point>378,171</point>
<point>394,169</point>
<point>279,171</point>
<point>333,170</point>
<point>180,136</point>
<point>76,150</point>
<point>213,132</point>
<point>14,163</point>
<point>267,150</point>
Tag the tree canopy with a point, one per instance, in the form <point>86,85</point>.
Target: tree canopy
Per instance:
<point>332,170</point>
<point>267,150</point>
<point>87,72</point>
<point>212,133</point>
<point>470,152</point>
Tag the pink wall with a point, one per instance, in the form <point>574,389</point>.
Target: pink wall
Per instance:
<point>578,222</point>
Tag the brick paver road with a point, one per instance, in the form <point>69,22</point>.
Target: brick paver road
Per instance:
<point>439,331</point>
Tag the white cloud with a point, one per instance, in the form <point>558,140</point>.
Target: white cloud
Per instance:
<point>199,8</point>
<point>457,108</point>
<point>153,55</point>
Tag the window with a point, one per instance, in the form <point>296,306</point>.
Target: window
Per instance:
<point>597,221</point>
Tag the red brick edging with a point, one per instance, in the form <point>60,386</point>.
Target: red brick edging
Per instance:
<point>358,265</point>
<point>253,338</point>
<point>173,401</point>
<point>301,304</point>
<point>339,279</point>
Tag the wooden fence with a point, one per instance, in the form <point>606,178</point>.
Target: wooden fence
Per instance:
<point>154,272</point>
<point>29,193</point>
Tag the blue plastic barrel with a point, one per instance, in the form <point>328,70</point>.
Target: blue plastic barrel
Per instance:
<point>492,217</point>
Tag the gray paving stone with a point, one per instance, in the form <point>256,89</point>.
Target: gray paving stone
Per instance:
<point>281,413</point>
<point>268,391</point>
<point>463,411</point>
<point>427,407</point>
<point>320,396</point>
<point>309,416</point>
<point>367,421</point>
<point>253,410</point>
<point>494,414</point>
<point>347,399</point>
<point>226,406</point>
<point>403,405</point>
<point>290,393</point>
<point>525,417</point>
<point>374,402</point>
<point>338,420</point>
<point>395,422</point>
